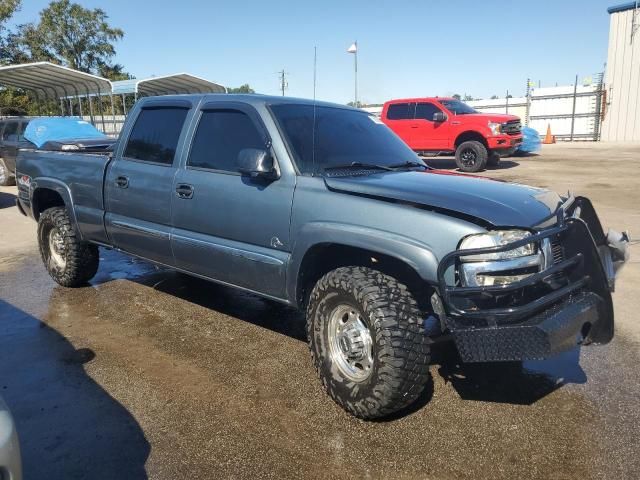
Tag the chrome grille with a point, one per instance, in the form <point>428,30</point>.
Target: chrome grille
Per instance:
<point>512,127</point>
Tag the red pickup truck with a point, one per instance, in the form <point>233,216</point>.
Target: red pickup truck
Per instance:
<point>444,126</point>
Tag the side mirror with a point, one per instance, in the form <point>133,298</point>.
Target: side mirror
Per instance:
<point>256,163</point>
<point>439,117</point>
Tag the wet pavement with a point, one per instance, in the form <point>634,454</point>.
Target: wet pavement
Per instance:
<point>147,373</point>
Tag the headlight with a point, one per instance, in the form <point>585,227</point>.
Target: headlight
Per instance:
<point>497,238</point>
<point>502,267</point>
<point>496,128</point>
<point>69,147</point>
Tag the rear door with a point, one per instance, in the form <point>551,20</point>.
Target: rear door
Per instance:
<point>139,183</point>
<point>10,140</point>
<point>427,134</point>
<point>399,118</point>
<point>229,227</point>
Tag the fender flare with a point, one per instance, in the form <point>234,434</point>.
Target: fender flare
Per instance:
<point>61,189</point>
<point>415,254</point>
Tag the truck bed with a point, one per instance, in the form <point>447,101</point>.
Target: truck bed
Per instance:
<point>75,176</point>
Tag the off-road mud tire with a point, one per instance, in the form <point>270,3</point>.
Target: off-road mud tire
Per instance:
<point>81,258</point>
<point>400,347</point>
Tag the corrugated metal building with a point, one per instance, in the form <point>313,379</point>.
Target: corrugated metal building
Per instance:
<point>621,121</point>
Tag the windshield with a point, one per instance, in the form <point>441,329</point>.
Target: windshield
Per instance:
<point>342,137</point>
<point>457,107</point>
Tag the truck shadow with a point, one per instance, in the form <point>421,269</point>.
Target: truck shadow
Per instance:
<point>68,425</point>
<point>7,200</point>
<point>518,383</point>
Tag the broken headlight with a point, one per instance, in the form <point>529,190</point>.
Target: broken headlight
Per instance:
<point>498,268</point>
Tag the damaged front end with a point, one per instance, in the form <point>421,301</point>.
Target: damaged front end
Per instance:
<point>531,294</point>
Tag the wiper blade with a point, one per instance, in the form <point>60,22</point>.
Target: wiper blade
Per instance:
<point>409,164</point>
<point>360,165</point>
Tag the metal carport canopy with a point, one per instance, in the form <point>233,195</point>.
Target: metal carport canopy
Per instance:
<point>53,81</point>
<point>167,85</point>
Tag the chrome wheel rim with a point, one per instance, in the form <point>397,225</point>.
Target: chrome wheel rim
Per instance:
<point>3,173</point>
<point>468,157</point>
<point>350,343</point>
<point>56,248</point>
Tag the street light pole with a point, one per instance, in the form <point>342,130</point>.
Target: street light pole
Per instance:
<point>354,49</point>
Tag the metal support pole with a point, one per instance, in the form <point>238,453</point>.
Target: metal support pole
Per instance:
<point>124,104</point>
<point>80,106</point>
<point>113,113</point>
<point>528,109</point>
<point>573,111</point>
<point>61,107</point>
<point>70,108</point>
<point>91,110</point>
<point>506,105</point>
<point>355,60</point>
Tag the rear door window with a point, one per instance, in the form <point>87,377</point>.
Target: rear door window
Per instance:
<point>401,111</point>
<point>220,136</point>
<point>425,111</point>
<point>10,133</point>
<point>154,137</point>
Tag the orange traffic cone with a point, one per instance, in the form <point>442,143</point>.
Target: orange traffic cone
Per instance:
<point>548,138</point>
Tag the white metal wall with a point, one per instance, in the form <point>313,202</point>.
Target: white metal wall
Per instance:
<point>551,107</point>
<point>622,111</point>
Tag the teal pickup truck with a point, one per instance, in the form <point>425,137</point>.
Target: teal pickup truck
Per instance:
<point>323,208</point>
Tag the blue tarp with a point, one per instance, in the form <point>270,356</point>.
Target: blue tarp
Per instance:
<point>530,140</point>
<point>41,130</point>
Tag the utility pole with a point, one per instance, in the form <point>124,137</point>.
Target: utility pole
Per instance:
<point>283,81</point>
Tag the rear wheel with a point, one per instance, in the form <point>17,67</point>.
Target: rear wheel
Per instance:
<point>6,176</point>
<point>69,261</point>
<point>471,156</point>
<point>368,342</point>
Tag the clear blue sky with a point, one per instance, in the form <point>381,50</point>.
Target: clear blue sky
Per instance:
<point>407,48</point>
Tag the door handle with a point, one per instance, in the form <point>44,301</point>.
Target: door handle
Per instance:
<point>184,190</point>
<point>122,182</point>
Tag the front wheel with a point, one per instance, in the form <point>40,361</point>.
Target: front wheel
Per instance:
<point>70,261</point>
<point>471,156</point>
<point>368,342</point>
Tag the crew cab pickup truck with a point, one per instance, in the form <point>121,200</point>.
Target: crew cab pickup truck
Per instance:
<point>323,208</point>
<point>446,126</point>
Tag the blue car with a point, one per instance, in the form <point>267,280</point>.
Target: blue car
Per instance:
<point>531,142</point>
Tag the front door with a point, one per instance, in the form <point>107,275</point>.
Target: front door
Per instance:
<point>427,134</point>
<point>399,118</point>
<point>228,227</point>
<point>139,183</point>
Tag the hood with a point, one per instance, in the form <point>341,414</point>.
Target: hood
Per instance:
<point>491,201</point>
<point>493,117</point>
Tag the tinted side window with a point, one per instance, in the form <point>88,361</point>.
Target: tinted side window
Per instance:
<point>400,111</point>
<point>155,135</point>
<point>426,111</point>
<point>10,132</point>
<point>220,136</point>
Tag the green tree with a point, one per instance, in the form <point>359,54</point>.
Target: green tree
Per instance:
<point>114,72</point>
<point>457,96</point>
<point>71,35</point>
<point>467,98</point>
<point>7,9</point>
<point>494,97</point>
<point>241,89</point>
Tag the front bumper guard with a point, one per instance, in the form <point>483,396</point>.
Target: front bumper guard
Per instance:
<point>548,312</point>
